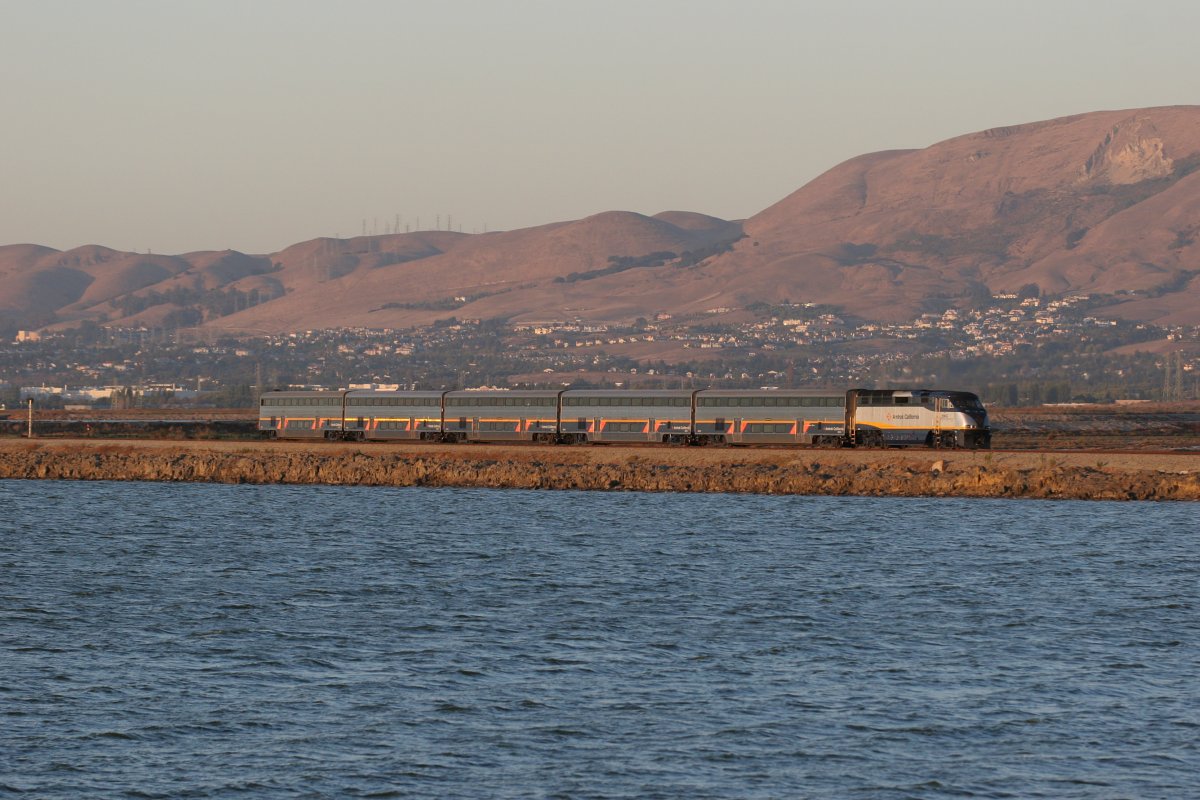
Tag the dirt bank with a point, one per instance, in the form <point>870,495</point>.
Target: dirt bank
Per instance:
<point>834,472</point>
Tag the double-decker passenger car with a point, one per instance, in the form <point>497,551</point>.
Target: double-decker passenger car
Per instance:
<point>616,415</point>
<point>393,415</point>
<point>791,416</point>
<point>500,416</point>
<point>854,417</point>
<point>302,415</point>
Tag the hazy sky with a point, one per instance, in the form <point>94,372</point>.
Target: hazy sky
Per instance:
<point>254,124</point>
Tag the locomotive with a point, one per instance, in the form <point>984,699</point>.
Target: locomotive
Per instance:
<point>814,418</point>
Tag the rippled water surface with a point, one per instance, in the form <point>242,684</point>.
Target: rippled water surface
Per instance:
<point>205,641</point>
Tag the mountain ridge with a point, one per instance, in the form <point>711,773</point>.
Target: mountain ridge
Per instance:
<point>1104,203</point>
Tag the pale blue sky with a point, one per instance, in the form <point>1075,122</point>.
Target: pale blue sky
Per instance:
<point>254,124</point>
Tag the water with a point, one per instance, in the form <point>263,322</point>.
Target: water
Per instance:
<point>271,641</point>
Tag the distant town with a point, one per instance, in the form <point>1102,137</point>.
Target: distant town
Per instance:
<point>1014,349</point>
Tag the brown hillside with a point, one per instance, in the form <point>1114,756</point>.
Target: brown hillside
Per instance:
<point>1106,203</point>
<point>1095,203</point>
<point>511,274</point>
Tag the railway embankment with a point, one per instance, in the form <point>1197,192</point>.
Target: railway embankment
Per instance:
<point>1085,476</point>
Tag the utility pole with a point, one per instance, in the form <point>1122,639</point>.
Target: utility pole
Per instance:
<point>29,427</point>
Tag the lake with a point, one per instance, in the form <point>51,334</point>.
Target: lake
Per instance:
<point>199,640</point>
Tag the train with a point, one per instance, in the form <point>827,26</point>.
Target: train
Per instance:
<point>935,418</point>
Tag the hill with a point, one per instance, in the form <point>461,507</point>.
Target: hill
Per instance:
<point>1106,203</point>
<point>1102,203</point>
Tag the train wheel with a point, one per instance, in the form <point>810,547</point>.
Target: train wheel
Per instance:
<point>870,439</point>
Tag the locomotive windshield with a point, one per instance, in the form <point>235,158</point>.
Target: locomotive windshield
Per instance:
<point>966,402</point>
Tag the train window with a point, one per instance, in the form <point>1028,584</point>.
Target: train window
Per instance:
<point>901,401</point>
<point>769,427</point>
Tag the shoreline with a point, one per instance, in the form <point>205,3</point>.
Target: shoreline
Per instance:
<point>898,473</point>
